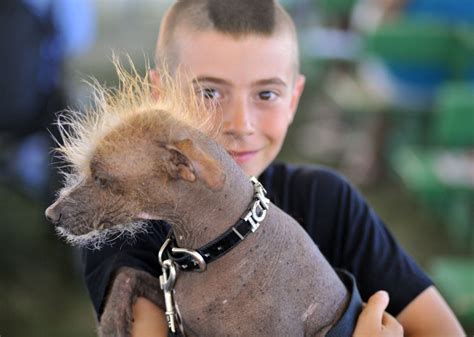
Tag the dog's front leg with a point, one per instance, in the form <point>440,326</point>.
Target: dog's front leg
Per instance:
<point>128,285</point>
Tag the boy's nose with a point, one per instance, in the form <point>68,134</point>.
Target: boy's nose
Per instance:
<point>238,120</point>
<point>53,214</point>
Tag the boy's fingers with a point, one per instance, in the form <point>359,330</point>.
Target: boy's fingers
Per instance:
<point>375,322</point>
<point>388,319</point>
<point>376,306</point>
<point>391,324</point>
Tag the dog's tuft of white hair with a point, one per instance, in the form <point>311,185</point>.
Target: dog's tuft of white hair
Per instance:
<point>81,132</point>
<point>96,239</point>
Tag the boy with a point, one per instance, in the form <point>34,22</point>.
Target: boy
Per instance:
<point>243,55</point>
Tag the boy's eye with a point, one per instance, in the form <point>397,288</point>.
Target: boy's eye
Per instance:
<point>210,93</point>
<point>267,95</point>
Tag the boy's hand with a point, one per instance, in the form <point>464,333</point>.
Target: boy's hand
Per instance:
<point>375,322</point>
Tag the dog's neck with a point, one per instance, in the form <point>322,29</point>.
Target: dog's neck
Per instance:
<point>204,214</point>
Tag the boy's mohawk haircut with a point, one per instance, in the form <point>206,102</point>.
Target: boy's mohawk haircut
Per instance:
<point>242,16</point>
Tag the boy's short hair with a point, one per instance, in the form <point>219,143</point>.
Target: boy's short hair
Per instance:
<point>237,18</point>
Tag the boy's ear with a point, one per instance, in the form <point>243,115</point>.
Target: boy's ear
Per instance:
<point>155,83</point>
<point>188,162</point>
<point>296,94</point>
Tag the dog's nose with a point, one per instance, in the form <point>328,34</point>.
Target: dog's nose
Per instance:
<point>52,214</point>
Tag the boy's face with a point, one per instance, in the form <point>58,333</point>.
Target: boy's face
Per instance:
<point>252,79</point>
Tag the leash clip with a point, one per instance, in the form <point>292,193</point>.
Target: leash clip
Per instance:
<point>167,281</point>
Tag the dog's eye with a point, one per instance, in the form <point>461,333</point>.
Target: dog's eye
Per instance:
<point>101,182</point>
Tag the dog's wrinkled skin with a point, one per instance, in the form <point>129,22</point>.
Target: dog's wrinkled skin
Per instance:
<point>275,283</point>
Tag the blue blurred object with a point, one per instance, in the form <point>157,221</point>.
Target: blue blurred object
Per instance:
<point>431,43</point>
<point>37,36</point>
<point>75,22</point>
<point>450,11</point>
<point>416,85</point>
<point>30,164</point>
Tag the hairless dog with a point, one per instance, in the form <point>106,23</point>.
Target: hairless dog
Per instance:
<point>135,158</point>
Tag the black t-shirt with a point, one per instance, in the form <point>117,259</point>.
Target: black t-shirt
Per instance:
<point>348,232</point>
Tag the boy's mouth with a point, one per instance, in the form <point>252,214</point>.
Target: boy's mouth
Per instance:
<point>242,157</point>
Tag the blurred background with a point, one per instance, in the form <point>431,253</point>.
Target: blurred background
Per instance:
<point>389,102</point>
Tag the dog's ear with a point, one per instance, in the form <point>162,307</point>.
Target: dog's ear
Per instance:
<point>188,162</point>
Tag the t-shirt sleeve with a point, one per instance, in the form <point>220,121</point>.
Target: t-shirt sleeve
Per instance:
<point>371,253</point>
<point>140,253</point>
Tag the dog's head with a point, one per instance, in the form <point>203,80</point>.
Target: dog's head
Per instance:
<point>136,173</point>
<point>131,160</point>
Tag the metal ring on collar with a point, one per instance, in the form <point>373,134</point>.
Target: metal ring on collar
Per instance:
<point>162,250</point>
<point>197,257</point>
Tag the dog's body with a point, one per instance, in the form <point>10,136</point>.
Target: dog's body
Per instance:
<point>275,283</point>
<point>150,165</point>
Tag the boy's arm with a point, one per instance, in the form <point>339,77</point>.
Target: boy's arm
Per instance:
<point>429,315</point>
<point>149,320</point>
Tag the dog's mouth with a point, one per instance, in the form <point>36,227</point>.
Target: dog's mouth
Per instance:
<point>90,239</point>
<point>103,234</point>
<point>72,228</point>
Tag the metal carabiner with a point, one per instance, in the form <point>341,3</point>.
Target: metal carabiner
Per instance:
<point>169,275</point>
<point>167,281</point>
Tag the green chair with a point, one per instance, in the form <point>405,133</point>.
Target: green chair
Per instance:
<point>451,131</point>
<point>414,167</point>
<point>418,55</point>
<point>412,41</point>
<point>463,56</point>
<point>337,8</point>
<point>453,118</point>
